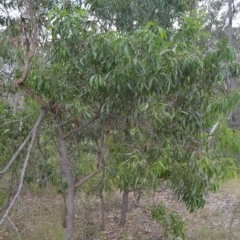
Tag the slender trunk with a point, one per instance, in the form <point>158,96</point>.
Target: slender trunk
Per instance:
<point>64,213</point>
<point>70,181</point>
<point>137,195</point>
<point>124,207</point>
<point>102,210</point>
<point>102,201</point>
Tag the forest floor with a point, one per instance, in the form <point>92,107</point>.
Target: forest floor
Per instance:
<point>38,215</point>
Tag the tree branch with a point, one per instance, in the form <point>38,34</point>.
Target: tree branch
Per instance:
<point>100,165</point>
<point>96,116</point>
<point>34,96</point>
<point>29,53</point>
<point>16,154</point>
<point>81,182</point>
<point>34,133</point>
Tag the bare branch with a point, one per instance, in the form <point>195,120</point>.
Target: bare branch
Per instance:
<point>34,133</point>
<point>100,165</point>
<point>16,154</point>
<point>81,182</point>
<point>96,116</point>
<point>29,53</point>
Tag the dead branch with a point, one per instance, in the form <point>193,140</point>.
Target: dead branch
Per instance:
<point>33,136</point>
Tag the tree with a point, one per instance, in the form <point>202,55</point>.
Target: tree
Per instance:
<point>142,101</point>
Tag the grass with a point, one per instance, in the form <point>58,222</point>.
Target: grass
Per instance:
<point>38,215</point>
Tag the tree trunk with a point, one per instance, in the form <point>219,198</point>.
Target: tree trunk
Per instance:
<point>230,17</point>
<point>102,210</point>
<point>124,207</point>
<point>102,197</point>
<point>71,188</point>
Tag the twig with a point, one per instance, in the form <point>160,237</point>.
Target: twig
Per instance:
<point>20,118</point>
<point>96,116</point>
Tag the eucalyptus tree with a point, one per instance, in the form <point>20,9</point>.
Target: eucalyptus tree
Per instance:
<point>166,89</point>
<point>137,104</point>
<point>130,15</point>
<point>221,19</point>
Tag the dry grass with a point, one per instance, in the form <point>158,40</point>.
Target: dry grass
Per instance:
<point>38,215</point>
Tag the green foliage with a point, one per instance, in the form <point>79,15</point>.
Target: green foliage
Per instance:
<point>165,84</point>
<point>159,91</point>
<point>172,223</point>
<point>130,15</point>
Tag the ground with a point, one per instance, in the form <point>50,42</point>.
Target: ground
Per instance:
<point>38,215</point>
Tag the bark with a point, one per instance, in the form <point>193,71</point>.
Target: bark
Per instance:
<point>70,201</point>
<point>64,215</point>
<point>124,207</point>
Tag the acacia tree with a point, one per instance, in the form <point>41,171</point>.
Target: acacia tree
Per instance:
<point>147,97</point>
